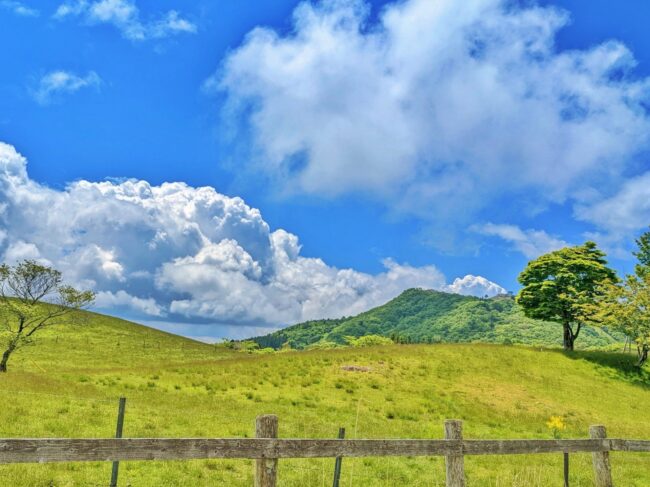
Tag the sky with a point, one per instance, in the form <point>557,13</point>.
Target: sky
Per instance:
<point>221,169</point>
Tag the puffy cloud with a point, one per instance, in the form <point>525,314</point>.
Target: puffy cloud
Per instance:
<point>475,286</point>
<point>297,288</point>
<point>443,107</point>
<point>58,83</point>
<point>123,300</point>
<point>124,15</point>
<point>179,254</point>
<point>20,250</point>
<point>19,8</point>
<point>624,212</point>
<point>531,243</point>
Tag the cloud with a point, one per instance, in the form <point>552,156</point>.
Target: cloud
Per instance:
<point>531,243</point>
<point>624,212</point>
<point>55,84</point>
<point>172,23</point>
<point>123,300</point>
<point>124,15</point>
<point>475,286</point>
<point>19,8</point>
<point>21,250</point>
<point>178,254</point>
<point>298,288</point>
<point>441,108</point>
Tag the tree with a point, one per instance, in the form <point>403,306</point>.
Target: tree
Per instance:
<point>33,297</point>
<point>626,306</point>
<point>559,285</point>
<point>643,255</point>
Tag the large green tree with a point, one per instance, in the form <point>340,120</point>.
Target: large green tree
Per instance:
<point>560,286</point>
<point>33,297</point>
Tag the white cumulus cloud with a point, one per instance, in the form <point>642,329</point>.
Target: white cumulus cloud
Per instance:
<point>55,84</point>
<point>442,107</point>
<point>475,286</point>
<point>123,300</point>
<point>174,253</point>
<point>124,15</point>
<point>532,243</point>
<point>623,212</point>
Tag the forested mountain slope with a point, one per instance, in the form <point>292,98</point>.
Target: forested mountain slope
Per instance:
<point>427,316</point>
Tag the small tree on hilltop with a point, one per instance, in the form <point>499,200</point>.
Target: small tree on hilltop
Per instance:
<point>560,286</point>
<point>33,297</point>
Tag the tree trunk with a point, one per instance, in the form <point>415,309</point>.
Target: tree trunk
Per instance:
<point>5,359</point>
<point>569,338</point>
<point>5,356</point>
<point>643,356</point>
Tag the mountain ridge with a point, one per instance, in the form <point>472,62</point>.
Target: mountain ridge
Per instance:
<point>428,316</point>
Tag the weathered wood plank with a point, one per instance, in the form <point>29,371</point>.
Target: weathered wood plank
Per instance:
<point>630,445</point>
<point>454,464</point>
<point>111,449</point>
<point>525,447</point>
<point>600,460</point>
<point>266,469</point>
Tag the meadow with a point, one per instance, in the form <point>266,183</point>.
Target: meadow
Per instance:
<point>68,384</point>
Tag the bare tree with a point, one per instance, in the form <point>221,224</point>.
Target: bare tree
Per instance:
<point>33,297</point>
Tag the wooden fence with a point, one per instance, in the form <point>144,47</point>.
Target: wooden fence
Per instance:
<point>266,449</point>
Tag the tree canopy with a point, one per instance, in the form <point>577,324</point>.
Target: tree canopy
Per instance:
<point>626,306</point>
<point>558,285</point>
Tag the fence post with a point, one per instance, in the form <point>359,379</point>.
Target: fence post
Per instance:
<point>337,462</point>
<point>118,434</point>
<point>566,469</point>
<point>266,469</point>
<point>455,464</point>
<point>602,468</point>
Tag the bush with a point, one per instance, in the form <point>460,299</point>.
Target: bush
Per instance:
<point>368,341</point>
<point>322,346</point>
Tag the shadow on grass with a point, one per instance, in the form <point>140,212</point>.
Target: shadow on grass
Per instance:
<point>616,365</point>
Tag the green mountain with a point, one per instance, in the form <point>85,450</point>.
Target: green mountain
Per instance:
<point>426,316</point>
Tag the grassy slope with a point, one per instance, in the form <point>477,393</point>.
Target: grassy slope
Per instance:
<point>426,316</point>
<point>179,388</point>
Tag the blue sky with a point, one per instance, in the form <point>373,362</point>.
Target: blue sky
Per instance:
<point>464,144</point>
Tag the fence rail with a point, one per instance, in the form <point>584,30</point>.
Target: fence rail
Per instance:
<point>267,449</point>
<point>124,449</point>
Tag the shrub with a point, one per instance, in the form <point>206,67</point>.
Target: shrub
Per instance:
<point>369,341</point>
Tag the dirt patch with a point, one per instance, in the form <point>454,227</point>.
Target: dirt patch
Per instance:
<point>355,368</point>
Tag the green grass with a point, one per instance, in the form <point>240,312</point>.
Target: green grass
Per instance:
<point>180,388</point>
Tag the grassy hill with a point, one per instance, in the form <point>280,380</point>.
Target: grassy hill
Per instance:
<point>67,385</point>
<point>426,316</point>
<point>104,341</point>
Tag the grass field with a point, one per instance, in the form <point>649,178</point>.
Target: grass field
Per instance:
<point>68,384</point>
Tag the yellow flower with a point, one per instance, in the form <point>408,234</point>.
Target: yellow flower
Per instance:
<point>556,424</point>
